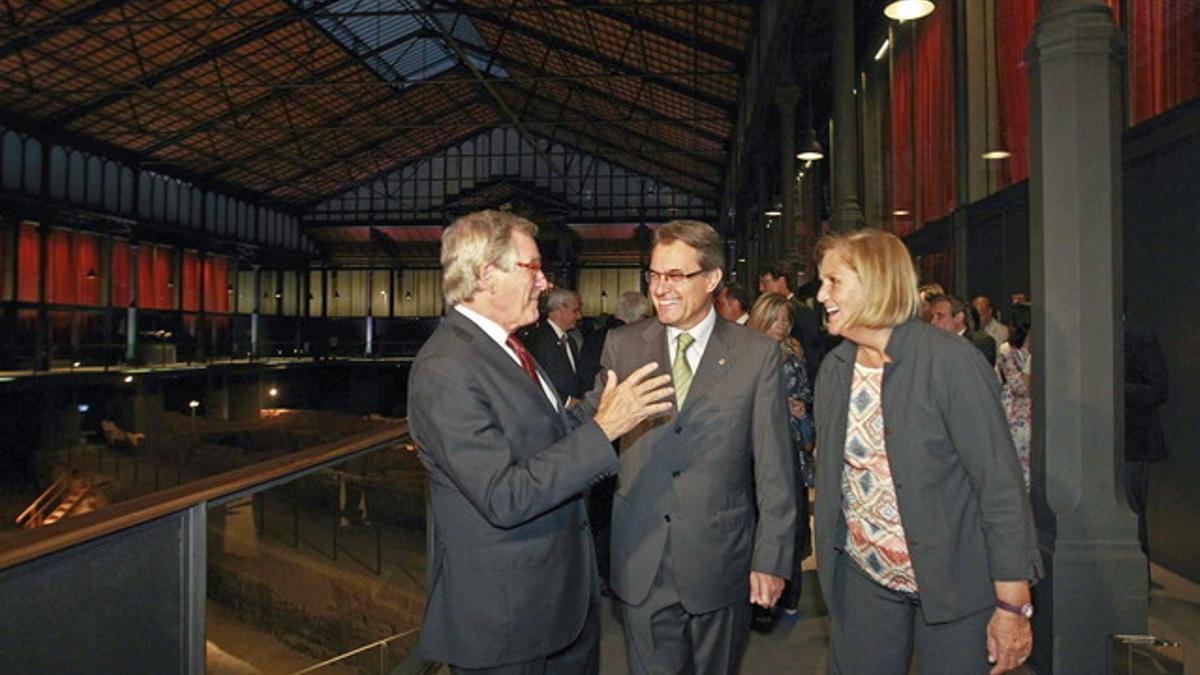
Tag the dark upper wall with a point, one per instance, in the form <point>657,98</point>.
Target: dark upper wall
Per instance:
<point>1162,260</point>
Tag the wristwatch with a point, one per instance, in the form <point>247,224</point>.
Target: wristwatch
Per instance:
<point>1025,610</point>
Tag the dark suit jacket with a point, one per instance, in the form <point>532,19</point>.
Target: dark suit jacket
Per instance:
<point>985,343</point>
<point>958,485</point>
<point>544,344</point>
<point>1146,388</point>
<point>718,475</point>
<point>512,563</point>
<point>806,328</point>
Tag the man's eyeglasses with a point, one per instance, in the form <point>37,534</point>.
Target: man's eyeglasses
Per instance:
<point>534,266</point>
<point>674,277</point>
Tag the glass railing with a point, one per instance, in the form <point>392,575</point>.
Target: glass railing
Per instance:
<point>96,337</point>
<point>313,561</point>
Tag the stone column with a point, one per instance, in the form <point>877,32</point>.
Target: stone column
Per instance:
<point>1096,583</point>
<point>847,212</point>
<point>785,102</point>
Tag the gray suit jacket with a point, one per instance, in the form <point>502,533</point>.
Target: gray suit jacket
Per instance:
<point>958,485</point>
<point>717,475</point>
<point>512,564</point>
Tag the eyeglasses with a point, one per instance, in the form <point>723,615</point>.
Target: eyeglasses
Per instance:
<point>674,277</point>
<point>534,266</point>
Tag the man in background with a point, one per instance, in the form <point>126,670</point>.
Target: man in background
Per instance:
<point>988,322</point>
<point>733,303</point>
<point>550,342</point>
<point>1146,388</point>
<point>951,313</point>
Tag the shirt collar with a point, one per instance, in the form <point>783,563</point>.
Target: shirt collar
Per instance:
<point>558,332</point>
<point>493,330</point>
<point>700,332</point>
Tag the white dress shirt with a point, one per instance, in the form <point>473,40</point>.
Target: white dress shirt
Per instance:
<point>701,332</point>
<point>563,339</point>
<point>497,334</point>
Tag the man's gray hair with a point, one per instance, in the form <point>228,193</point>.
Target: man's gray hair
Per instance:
<point>632,307</point>
<point>475,240</point>
<point>558,297</point>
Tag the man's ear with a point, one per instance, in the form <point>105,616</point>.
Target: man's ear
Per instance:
<point>714,279</point>
<point>486,277</point>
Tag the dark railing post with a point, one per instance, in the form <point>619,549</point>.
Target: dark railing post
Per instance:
<point>193,582</point>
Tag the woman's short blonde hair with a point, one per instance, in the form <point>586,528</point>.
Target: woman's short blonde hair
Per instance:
<point>765,309</point>
<point>885,269</point>
<point>472,241</point>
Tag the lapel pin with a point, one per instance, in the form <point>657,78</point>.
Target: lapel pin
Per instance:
<point>721,362</point>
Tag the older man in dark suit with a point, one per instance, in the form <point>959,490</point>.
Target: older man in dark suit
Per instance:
<point>704,512</point>
<point>512,577</point>
<point>550,342</point>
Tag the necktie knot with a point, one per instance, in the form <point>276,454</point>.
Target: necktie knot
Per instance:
<point>684,341</point>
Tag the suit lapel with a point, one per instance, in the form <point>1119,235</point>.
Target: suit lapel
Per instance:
<point>717,360</point>
<point>495,356</point>
<point>654,338</point>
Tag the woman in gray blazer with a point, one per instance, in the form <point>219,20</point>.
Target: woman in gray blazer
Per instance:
<point>924,533</point>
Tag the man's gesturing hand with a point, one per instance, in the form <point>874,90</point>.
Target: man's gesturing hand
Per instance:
<point>623,406</point>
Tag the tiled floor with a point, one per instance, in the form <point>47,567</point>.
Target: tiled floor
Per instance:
<point>801,648</point>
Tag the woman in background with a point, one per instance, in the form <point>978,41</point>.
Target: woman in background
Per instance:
<point>772,315</point>
<point>1015,366</point>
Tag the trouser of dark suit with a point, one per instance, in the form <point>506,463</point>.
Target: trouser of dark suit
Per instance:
<point>662,638</point>
<point>599,507</point>
<point>1137,492</point>
<point>581,657</point>
<point>875,630</point>
<point>790,598</point>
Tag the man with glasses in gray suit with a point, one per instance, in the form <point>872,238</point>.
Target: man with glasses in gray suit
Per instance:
<point>705,507</point>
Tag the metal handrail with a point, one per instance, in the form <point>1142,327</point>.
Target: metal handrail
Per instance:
<point>355,652</point>
<point>46,502</point>
<point>22,546</point>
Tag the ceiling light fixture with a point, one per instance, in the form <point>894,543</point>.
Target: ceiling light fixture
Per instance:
<point>996,154</point>
<point>908,10</point>
<point>810,147</point>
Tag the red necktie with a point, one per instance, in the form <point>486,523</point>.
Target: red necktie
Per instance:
<point>524,357</point>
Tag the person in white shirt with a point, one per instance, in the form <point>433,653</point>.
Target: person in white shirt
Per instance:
<point>988,322</point>
<point>733,304</point>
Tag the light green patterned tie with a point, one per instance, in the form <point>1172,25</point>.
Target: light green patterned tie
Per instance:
<point>681,370</point>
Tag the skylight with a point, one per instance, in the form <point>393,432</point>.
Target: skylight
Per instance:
<point>399,41</point>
